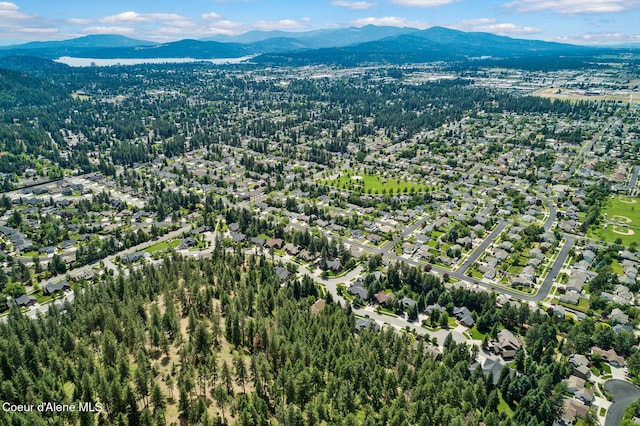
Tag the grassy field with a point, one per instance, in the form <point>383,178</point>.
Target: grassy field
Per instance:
<point>372,184</point>
<point>621,219</point>
<point>572,95</point>
<point>162,246</point>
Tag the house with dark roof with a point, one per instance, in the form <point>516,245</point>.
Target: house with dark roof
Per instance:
<point>187,243</point>
<point>408,302</point>
<point>463,315</point>
<point>258,241</point>
<point>23,301</point>
<point>238,238</point>
<point>359,292</point>
<point>132,257</point>
<point>365,323</point>
<point>491,368</point>
<point>56,287</point>
<point>282,273</point>
<point>334,265</point>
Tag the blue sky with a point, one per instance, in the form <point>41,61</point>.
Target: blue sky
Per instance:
<point>573,21</point>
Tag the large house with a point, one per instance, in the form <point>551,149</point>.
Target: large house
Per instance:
<point>610,356</point>
<point>506,345</point>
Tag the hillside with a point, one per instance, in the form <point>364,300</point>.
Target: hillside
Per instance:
<point>19,90</point>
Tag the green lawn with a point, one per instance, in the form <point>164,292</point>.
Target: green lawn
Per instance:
<point>162,245</point>
<point>616,268</point>
<point>372,184</point>
<point>622,221</point>
<point>475,334</point>
<point>503,407</point>
<point>582,306</point>
<point>476,274</point>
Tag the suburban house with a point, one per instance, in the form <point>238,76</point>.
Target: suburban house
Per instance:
<point>506,345</point>
<point>572,410</point>
<point>23,301</point>
<point>282,273</point>
<point>274,243</point>
<point>52,288</point>
<point>359,292</point>
<point>491,367</point>
<point>365,323</point>
<point>385,299</point>
<point>576,387</point>
<point>463,315</point>
<point>610,356</point>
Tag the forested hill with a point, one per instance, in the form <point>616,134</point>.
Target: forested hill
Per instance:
<point>19,90</point>
<point>221,341</point>
<point>31,65</point>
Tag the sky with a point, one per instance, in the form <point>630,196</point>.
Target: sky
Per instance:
<point>593,22</point>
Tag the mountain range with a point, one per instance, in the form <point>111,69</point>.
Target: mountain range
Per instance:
<point>345,46</point>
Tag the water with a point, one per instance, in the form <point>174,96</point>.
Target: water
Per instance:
<point>88,62</point>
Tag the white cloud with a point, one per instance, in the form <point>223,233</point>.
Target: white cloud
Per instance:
<point>78,21</point>
<point>489,25</point>
<point>354,5</point>
<point>211,15</point>
<point>423,3</point>
<point>109,30</point>
<point>477,21</point>
<point>284,24</point>
<point>572,7</point>
<point>596,39</point>
<point>132,17</point>
<point>390,21</point>
<point>506,29</point>
<point>4,5</point>
<point>11,11</point>
<point>39,30</point>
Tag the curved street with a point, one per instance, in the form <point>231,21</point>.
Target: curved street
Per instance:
<point>624,393</point>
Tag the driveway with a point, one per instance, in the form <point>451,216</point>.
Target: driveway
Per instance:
<point>624,393</point>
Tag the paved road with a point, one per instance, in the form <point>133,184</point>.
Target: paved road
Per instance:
<point>624,393</point>
<point>480,249</point>
<point>331,284</point>
<point>634,178</point>
<point>554,271</point>
<point>589,144</point>
<point>552,216</point>
<point>108,263</point>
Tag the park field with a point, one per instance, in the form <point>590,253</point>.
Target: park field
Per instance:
<point>621,220</point>
<point>371,184</point>
<point>574,95</point>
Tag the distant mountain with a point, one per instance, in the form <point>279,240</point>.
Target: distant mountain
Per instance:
<point>73,47</point>
<point>433,44</point>
<point>336,37</point>
<point>341,46</point>
<point>90,41</point>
